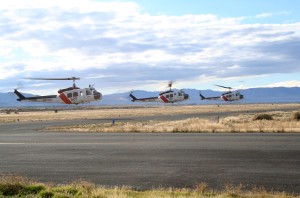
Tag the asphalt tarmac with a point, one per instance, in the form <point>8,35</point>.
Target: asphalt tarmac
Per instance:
<point>150,160</point>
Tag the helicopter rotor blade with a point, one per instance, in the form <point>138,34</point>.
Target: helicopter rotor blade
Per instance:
<point>72,78</point>
<point>223,87</point>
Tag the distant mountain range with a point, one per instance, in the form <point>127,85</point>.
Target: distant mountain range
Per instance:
<point>253,95</point>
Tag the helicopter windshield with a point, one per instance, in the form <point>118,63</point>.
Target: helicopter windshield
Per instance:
<point>93,90</point>
<point>185,96</point>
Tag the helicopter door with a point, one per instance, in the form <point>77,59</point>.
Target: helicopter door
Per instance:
<point>69,95</point>
<point>75,94</point>
<point>171,97</point>
<point>88,92</point>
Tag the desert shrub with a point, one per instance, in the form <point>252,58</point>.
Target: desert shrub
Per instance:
<point>233,190</point>
<point>32,189</point>
<point>66,190</point>
<point>263,117</point>
<point>201,187</point>
<point>8,189</point>
<point>297,116</point>
<point>46,194</point>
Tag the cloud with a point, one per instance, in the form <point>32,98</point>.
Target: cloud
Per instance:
<point>264,15</point>
<point>132,48</point>
<point>291,83</point>
<point>272,14</point>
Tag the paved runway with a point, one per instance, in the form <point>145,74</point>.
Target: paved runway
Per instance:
<point>144,160</point>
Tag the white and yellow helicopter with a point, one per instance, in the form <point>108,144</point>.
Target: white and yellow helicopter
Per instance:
<point>227,96</point>
<point>70,95</point>
<point>169,96</point>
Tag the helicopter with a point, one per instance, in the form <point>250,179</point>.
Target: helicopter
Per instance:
<point>227,96</point>
<point>70,95</point>
<point>169,96</point>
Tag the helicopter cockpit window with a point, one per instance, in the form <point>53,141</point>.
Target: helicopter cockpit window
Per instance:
<point>171,95</point>
<point>167,96</point>
<point>179,94</point>
<point>81,94</point>
<point>88,92</point>
<point>75,94</point>
<point>94,91</point>
<point>69,95</point>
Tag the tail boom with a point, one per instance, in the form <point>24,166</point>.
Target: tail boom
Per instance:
<point>209,98</point>
<point>50,98</point>
<point>150,99</point>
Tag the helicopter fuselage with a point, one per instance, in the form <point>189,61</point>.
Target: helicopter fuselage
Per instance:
<point>164,97</point>
<point>173,96</point>
<point>228,96</point>
<point>231,96</point>
<point>72,96</point>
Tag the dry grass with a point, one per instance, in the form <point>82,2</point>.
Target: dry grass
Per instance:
<point>11,186</point>
<point>282,122</point>
<point>100,113</point>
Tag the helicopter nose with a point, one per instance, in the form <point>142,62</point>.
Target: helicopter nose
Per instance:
<point>241,96</point>
<point>97,96</point>
<point>186,96</point>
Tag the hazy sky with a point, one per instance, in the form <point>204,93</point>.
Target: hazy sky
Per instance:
<point>142,44</point>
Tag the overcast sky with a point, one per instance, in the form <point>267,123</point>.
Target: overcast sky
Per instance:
<point>142,44</point>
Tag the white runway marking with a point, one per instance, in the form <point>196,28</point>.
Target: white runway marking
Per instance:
<point>54,143</point>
